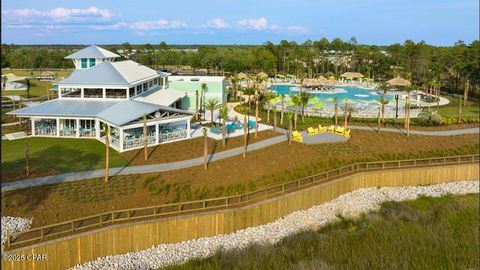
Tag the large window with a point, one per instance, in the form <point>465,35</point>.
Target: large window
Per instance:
<point>155,81</point>
<point>92,62</point>
<point>116,93</point>
<point>145,87</point>
<point>139,89</point>
<point>150,84</point>
<point>92,92</point>
<point>70,92</point>
<point>84,62</point>
<point>131,92</point>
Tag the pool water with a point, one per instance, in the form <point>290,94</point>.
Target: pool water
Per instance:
<point>353,93</point>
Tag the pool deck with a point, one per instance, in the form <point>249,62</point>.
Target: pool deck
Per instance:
<point>324,137</point>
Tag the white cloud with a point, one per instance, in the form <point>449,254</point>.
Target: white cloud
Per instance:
<point>115,26</point>
<point>217,23</point>
<point>256,24</point>
<point>298,29</point>
<point>60,14</point>
<point>157,25</point>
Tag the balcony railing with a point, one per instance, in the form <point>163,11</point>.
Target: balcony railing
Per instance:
<point>174,135</point>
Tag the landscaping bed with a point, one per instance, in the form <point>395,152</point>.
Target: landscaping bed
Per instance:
<point>272,165</point>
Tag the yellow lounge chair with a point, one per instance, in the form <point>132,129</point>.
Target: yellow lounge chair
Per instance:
<point>312,131</point>
<point>346,133</point>
<point>331,129</point>
<point>322,129</point>
<point>339,130</point>
<point>297,136</point>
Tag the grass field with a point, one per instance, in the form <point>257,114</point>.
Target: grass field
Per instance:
<point>272,165</point>
<point>37,88</point>
<point>451,109</point>
<point>52,156</point>
<point>427,233</point>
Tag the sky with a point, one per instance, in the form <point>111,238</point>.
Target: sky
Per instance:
<point>374,22</point>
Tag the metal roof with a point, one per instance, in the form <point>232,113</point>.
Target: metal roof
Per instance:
<point>162,96</point>
<point>111,73</point>
<point>66,108</point>
<point>92,51</point>
<point>117,113</point>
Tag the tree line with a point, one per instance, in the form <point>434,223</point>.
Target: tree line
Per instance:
<point>451,66</point>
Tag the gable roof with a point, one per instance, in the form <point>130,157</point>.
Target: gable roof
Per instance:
<point>111,73</point>
<point>92,51</point>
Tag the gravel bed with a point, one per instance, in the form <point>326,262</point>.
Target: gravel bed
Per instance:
<point>348,205</point>
<point>12,225</point>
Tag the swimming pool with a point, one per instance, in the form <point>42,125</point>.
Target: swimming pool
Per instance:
<point>354,94</point>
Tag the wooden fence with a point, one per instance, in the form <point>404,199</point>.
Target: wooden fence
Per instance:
<point>128,215</point>
<point>137,235</point>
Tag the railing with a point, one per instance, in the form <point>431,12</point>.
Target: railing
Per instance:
<point>117,216</point>
<point>129,143</point>
<point>170,136</point>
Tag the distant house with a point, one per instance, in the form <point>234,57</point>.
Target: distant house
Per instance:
<point>101,91</point>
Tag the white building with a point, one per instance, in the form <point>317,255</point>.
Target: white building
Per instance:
<point>101,91</point>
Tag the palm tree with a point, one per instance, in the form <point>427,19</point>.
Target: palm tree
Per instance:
<point>379,117</point>
<point>234,81</point>
<point>224,115</point>
<point>107,149</point>
<point>282,98</point>
<point>196,105</point>
<point>202,98</point>
<point>212,104</point>
<point>256,114</point>
<point>304,98</point>
<point>346,114</point>
<point>27,153</point>
<point>275,119</point>
<point>335,99</point>
<point>249,91</point>
<point>465,92</point>
<point>244,136</point>
<point>296,101</point>
<point>384,87</point>
<point>459,109</point>
<point>407,110</point>
<point>289,119</point>
<point>145,136</point>
<point>205,148</point>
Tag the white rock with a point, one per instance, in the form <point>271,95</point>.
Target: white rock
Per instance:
<point>349,205</point>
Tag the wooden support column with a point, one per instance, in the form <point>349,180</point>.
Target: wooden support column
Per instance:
<point>58,127</point>
<point>77,128</point>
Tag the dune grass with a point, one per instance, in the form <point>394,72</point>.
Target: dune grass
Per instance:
<point>427,233</point>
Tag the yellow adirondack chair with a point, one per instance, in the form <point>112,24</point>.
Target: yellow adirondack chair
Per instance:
<point>322,129</point>
<point>312,131</point>
<point>331,129</point>
<point>339,130</point>
<point>346,133</point>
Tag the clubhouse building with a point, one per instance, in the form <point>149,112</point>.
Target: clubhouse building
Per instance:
<point>119,94</point>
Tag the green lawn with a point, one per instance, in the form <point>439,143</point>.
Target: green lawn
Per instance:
<point>428,233</point>
<point>49,155</point>
<point>451,109</point>
<point>37,88</point>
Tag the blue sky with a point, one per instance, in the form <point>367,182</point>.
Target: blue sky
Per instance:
<point>380,22</point>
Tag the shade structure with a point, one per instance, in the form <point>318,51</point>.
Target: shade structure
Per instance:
<point>262,75</point>
<point>353,75</point>
<point>399,81</point>
<point>280,76</point>
<point>291,76</point>
<point>241,76</point>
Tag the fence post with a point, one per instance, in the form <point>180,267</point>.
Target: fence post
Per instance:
<point>8,239</point>
<point>71,226</point>
<point>283,188</point>
<point>204,204</point>
<point>42,233</point>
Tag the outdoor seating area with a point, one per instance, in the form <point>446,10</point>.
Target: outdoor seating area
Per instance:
<point>46,127</point>
<point>312,131</point>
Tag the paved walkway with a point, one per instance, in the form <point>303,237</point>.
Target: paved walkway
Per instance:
<point>39,181</point>
<point>422,132</point>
